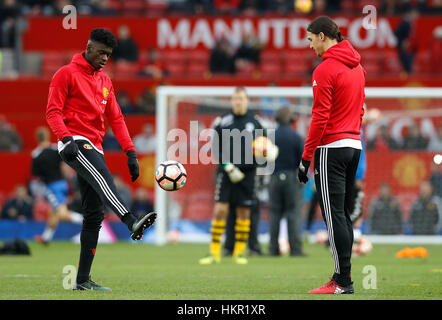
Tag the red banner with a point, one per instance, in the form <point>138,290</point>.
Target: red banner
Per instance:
<point>276,32</point>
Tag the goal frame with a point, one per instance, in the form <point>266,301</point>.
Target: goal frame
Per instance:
<point>163,93</point>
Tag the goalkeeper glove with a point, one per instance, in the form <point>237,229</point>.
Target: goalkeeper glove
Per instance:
<point>70,148</point>
<point>235,175</point>
<point>303,170</point>
<point>132,163</point>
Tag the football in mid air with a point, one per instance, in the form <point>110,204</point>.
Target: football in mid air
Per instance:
<point>171,175</point>
<point>264,148</point>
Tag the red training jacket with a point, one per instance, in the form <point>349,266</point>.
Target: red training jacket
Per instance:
<point>338,98</point>
<point>79,96</point>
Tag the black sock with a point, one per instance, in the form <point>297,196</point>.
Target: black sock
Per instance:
<point>129,219</point>
<point>342,280</point>
<point>88,240</point>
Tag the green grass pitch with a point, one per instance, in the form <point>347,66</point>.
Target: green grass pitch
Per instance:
<point>149,272</point>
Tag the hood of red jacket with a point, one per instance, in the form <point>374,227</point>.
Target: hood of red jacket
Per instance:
<point>80,60</point>
<point>343,52</point>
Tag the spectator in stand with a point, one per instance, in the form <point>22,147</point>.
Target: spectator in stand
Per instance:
<point>436,50</point>
<point>152,67</point>
<point>127,49</point>
<point>226,6</point>
<point>406,40</point>
<point>436,179</point>
<point>382,140</point>
<point>414,140</point>
<point>141,202</point>
<point>19,206</point>
<point>38,7</point>
<point>9,12</point>
<point>145,142</point>
<point>319,7</point>
<point>9,138</point>
<point>252,7</point>
<point>103,8</point>
<point>435,143</point>
<point>146,102</point>
<point>279,6</point>
<point>59,5</point>
<point>222,57</point>
<point>110,142</point>
<point>425,211</point>
<point>385,213</point>
<point>125,104</point>
<point>248,52</point>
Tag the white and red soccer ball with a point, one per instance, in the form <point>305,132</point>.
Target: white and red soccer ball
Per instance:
<point>171,175</point>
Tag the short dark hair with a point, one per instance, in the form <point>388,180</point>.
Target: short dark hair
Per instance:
<point>284,115</point>
<point>104,36</point>
<point>327,26</point>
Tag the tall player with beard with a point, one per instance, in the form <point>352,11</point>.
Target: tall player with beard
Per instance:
<point>334,140</point>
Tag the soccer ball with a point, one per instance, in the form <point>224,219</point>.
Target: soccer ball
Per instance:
<point>263,147</point>
<point>171,175</point>
<point>362,247</point>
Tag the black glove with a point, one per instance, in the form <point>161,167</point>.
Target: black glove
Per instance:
<point>70,150</point>
<point>132,163</point>
<point>303,170</point>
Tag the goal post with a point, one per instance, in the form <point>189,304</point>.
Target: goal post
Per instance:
<point>164,95</point>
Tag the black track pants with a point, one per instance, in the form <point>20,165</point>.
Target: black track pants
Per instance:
<point>335,170</point>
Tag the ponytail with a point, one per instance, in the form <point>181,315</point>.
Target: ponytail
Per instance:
<point>339,36</point>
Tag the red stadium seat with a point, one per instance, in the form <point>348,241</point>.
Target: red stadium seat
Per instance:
<point>372,68</point>
<point>348,6</point>
<point>270,69</point>
<point>133,7</point>
<point>125,69</point>
<point>156,7</point>
<point>175,56</point>
<point>115,4</point>
<point>196,68</point>
<point>176,68</point>
<point>202,56</point>
<point>270,56</point>
<point>362,3</point>
<point>51,62</point>
<point>390,63</point>
<point>422,64</point>
<point>297,62</point>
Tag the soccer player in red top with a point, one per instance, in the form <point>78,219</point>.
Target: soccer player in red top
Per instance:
<point>334,140</point>
<point>80,95</point>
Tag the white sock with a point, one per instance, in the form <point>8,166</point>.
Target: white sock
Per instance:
<point>357,234</point>
<point>76,217</point>
<point>48,234</point>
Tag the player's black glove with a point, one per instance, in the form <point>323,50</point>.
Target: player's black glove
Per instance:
<point>70,150</point>
<point>132,163</point>
<point>303,170</point>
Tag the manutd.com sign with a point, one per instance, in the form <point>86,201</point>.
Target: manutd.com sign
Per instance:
<point>276,33</point>
<point>202,32</point>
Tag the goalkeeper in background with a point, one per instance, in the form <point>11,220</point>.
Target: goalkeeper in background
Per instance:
<point>235,179</point>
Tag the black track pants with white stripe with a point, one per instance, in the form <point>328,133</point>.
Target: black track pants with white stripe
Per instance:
<point>335,170</point>
<point>95,181</point>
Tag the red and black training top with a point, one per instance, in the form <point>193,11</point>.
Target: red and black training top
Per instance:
<point>79,97</point>
<point>338,98</point>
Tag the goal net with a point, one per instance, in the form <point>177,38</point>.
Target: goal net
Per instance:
<point>402,136</point>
